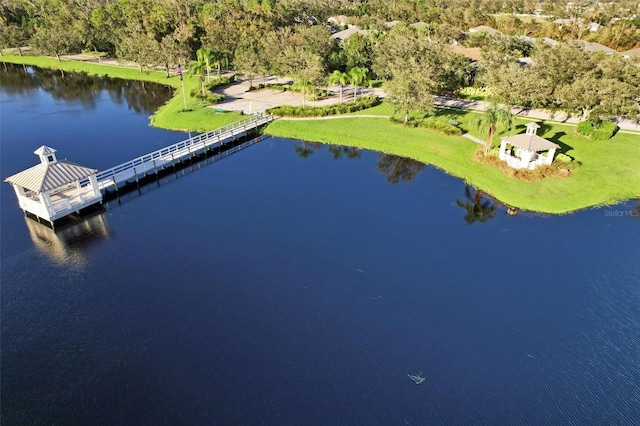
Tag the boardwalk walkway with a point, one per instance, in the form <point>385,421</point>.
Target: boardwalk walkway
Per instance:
<point>158,160</point>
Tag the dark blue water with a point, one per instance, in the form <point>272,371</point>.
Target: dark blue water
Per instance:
<point>270,288</point>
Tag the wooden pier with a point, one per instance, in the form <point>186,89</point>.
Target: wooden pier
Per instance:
<point>155,161</point>
<point>55,189</point>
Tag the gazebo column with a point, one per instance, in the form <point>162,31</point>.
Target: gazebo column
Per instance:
<point>503,147</point>
<point>550,154</point>
<point>45,200</point>
<point>94,185</point>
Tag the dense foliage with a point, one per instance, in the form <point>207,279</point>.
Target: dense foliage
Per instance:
<point>599,130</point>
<point>293,37</point>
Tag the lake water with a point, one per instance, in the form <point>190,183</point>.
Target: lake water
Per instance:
<point>290,284</point>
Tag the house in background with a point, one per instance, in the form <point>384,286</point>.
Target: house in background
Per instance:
<point>525,151</point>
<point>484,28</point>
<point>345,34</point>
<point>339,21</point>
<point>595,47</point>
<point>55,188</point>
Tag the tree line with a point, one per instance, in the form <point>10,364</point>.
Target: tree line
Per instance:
<point>291,37</point>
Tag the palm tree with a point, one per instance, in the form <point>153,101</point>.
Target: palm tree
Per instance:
<point>489,120</point>
<point>220,58</point>
<point>205,55</point>
<point>199,67</point>
<point>357,76</point>
<point>341,78</point>
<point>303,84</point>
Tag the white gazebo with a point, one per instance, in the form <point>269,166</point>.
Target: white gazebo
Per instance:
<point>526,150</point>
<point>55,188</point>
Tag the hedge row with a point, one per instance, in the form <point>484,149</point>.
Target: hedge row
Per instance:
<point>440,126</point>
<point>598,130</point>
<point>361,103</point>
<point>208,98</point>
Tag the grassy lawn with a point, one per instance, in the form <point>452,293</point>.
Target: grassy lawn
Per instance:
<point>609,172</point>
<point>171,116</point>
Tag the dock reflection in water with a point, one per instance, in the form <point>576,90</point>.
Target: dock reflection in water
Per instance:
<point>67,244</point>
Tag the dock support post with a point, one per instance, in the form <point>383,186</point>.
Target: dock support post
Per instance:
<point>115,186</point>
<point>173,163</point>
<point>155,169</point>
<point>135,174</point>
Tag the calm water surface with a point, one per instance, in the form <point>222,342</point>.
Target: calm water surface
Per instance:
<point>291,284</point>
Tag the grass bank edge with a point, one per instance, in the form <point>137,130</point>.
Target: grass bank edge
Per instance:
<point>601,179</point>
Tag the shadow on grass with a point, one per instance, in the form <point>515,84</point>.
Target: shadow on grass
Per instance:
<point>564,148</point>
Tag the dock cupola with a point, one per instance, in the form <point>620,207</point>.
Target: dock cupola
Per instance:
<point>47,155</point>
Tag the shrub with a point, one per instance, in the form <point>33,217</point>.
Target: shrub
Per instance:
<point>440,126</point>
<point>585,127</point>
<point>222,81</point>
<point>208,98</point>
<point>363,102</point>
<point>600,130</point>
<point>276,86</point>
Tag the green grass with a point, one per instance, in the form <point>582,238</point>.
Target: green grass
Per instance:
<point>609,172</point>
<point>171,116</point>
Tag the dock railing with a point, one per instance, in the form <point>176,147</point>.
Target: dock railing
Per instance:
<point>157,159</point>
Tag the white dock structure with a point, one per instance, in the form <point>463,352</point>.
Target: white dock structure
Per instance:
<point>158,160</point>
<point>56,188</point>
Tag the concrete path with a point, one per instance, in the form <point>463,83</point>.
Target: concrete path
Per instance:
<point>238,97</point>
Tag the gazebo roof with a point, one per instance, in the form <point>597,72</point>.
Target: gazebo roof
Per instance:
<point>45,177</point>
<point>530,142</point>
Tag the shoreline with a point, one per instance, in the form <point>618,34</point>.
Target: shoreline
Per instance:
<point>602,179</point>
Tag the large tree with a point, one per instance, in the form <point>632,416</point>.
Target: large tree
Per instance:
<point>417,69</point>
<point>12,36</point>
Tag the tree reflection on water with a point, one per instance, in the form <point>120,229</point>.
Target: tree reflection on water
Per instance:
<point>142,97</point>
<point>399,169</point>
<point>477,207</point>
<point>347,152</point>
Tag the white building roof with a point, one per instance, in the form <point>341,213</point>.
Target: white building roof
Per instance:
<point>595,47</point>
<point>530,142</point>
<point>345,34</point>
<point>45,177</point>
<point>491,31</point>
